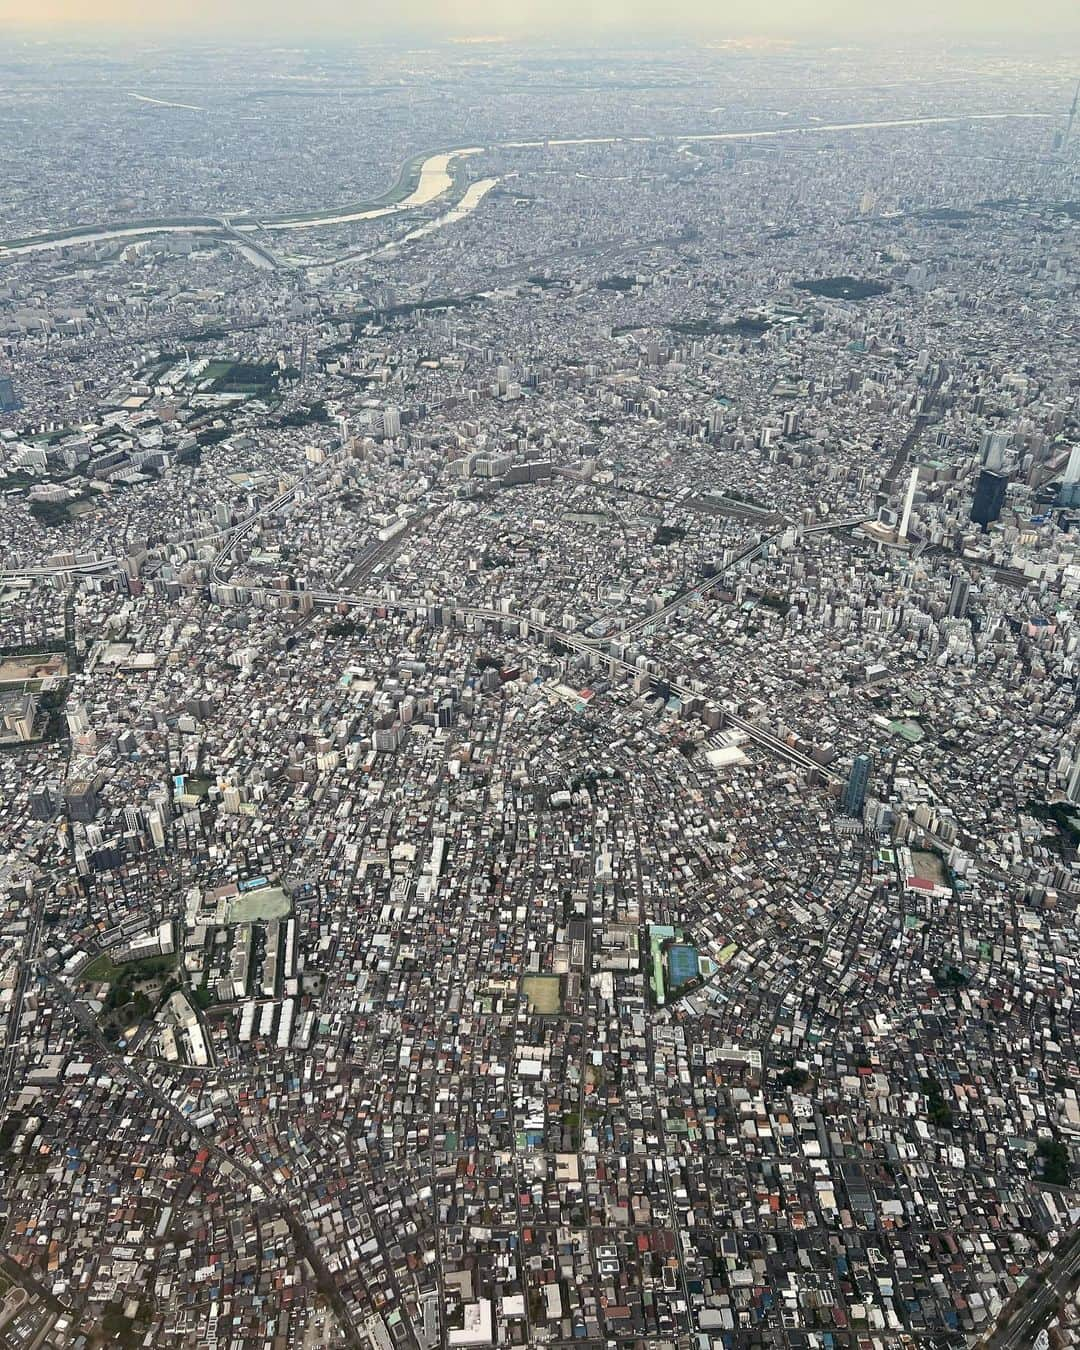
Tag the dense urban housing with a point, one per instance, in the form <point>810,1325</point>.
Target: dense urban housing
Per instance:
<point>539,695</point>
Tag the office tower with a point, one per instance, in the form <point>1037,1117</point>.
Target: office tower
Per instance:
<point>989,497</point>
<point>391,422</point>
<point>82,802</point>
<point>958,599</point>
<point>1070,482</point>
<point>8,401</point>
<point>1072,118</point>
<point>992,449</point>
<point>78,721</point>
<point>17,714</point>
<point>905,519</point>
<point>42,803</point>
<point>1072,791</point>
<point>855,790</point>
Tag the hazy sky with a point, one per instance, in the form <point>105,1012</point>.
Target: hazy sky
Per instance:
<point>515,17</point>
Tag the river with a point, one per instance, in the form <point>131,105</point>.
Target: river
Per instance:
<point>435,179</point>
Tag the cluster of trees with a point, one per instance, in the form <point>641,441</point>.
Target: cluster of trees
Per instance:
<point>667,534</point>
<point>54,514</point>
<point>843,288</point>
<point>346,628</point>
<point>123,1002</point>
<point>315,415</point>
<point>742,327</point>
<point>245,377</point>
<point>937,1107</point>
<point>1057,1167</point>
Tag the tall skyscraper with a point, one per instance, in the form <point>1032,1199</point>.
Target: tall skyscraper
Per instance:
<point>854,798</point>
<point>958,598</point>
<point>909,499</point>
<point>989,497</point>
<point>992,449</point>
<point>1072,118</point>
<point>8,401</point>
<point>1069,493</point>
<point>1072,790</point>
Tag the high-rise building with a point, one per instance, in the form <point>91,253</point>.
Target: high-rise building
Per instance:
<point>391,422</point>
<point>1072,791</point>
<point>992,449</point>
<point>18,712</point>
<point>81,798</point>
<point>989,497</point>
<point>1069,494</point>
<point>78,721</point>
<point>42,803</point>
<point>958,599</point>
<point>8,401</point>
<point>909,501</point>
<point>854,798</point>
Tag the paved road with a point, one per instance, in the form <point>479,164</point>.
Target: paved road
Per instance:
<point>747,555</point>
<point>922,420</point>
<point>272,1198</point>
<point>572,641</point>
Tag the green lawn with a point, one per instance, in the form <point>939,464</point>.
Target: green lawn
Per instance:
<point>104,968</point>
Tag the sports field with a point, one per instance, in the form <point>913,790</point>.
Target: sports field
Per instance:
<point>544,993</point>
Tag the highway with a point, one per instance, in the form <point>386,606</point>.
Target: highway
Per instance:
<point>1022,1320</point>
<point>244,528</point>
<point>747,555</point>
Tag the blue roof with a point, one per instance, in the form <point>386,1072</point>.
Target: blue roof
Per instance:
<point>682,965</point>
